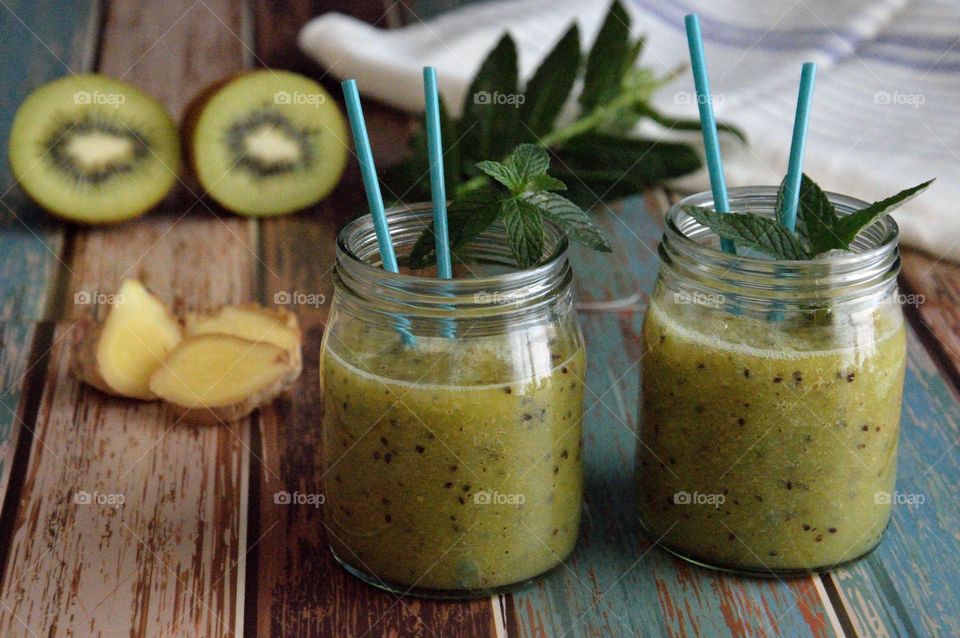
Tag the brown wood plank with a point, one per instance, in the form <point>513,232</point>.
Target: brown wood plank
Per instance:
<point>169,560</point>
<point>301,591</point>
<point>129,523</point>
<point>188,250</point>
<point>931,289</point>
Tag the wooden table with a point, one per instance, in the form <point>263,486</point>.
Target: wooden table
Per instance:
<point>198,548</point>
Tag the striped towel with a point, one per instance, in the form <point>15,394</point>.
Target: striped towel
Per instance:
<point>886,111</point>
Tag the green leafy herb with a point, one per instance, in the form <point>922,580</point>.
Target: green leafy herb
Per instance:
<point>611,57</point>
<point>524,229</point>
<point>467,216</point>
<point>570,218</point>
<point>490,149</point>
<point>547,90</point>
<point>848,227</point>
<point>819,227</point>
<point>520,196</point>
<point>488,127</point>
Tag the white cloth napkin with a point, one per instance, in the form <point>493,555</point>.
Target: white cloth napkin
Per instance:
<point>886,110</point>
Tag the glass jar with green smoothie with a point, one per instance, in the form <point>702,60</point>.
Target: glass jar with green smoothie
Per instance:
<point>771,396</point>
<point>451,415</point>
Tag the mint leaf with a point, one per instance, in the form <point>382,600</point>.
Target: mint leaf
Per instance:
<point>544,183</point>
<point>490,128</point>
<point>604,162</point>
<point>816,216</point>
<point>752,231</point>
<point>608,59</point>
<point>525,169</point>
<point>504,174</point>
<point>528,160</point>
<point>850,225</point>
<point>687,125</point>
<point>547,90</point>
<point>467,216</point>
<point>822,228</point>
<point>571,219</point>
<point>524,230</point>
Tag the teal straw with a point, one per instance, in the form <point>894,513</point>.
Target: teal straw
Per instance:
<point>797,145</point>
<point>369,172</point>
<point>371,185</point>
<point>708,123</point>
<point>438,188</point>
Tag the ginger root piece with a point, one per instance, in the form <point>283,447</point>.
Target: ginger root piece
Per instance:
<point>213,378</point>
<point>252,322</point>
<point>119,355</point>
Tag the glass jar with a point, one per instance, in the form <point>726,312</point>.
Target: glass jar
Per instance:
<point>771,397</point>
<point>451,415</point>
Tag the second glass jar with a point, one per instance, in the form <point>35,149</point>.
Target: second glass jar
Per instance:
<point>451,415</point>
<point>770,398</point>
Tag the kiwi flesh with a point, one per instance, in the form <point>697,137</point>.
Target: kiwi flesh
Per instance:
<point>266,142</point>
<point>94,149</point>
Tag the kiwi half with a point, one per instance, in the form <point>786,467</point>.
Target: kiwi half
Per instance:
<point>94,149</point>
<point>266,142</point>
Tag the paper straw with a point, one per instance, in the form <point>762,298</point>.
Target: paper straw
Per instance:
<point>369,172</point>
<point>371,185</point>
<point>708,124</point>
<point>438,189</point>
<point>795,167</point>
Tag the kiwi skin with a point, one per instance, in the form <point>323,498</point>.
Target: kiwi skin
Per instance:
<point>34,107</point>
<point>191,115</point>
<point>190,139</point>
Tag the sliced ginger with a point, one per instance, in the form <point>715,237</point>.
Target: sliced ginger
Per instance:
<point>120,354</point>
<point>252,322</point>
<point>230,361</point>
<point>212,378</point>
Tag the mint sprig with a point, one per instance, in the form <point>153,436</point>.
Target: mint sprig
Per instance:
<point>819,227</point>
<point>520,195</point>
<point>595,156</point>
<point>751,231</point>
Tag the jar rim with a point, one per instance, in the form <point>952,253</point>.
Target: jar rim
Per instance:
<point>508,294</point>
<point>844,203</point>
<point>690,252</point>
<point>557,257</point>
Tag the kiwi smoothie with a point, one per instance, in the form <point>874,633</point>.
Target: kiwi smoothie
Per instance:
<point>452,466</point>
<point>767,446</point>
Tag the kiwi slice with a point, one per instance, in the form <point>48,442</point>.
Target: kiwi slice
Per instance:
<point>266,142</point>
<point>94,149</point>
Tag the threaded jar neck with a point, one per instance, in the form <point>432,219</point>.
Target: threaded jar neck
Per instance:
<point>489,287</point>
<point>691,255</point>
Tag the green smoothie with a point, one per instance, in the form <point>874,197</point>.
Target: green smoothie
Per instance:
<point>452,464</point>
<point>768,445</point>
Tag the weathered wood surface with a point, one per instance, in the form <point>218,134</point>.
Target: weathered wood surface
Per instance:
<point>184,555</point>
<point>38,47</point>
<point>128,524</point>
<point>169,560</point>
<point>931,290</point>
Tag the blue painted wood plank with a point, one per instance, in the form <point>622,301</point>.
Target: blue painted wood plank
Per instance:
<point>40,43</point>
<point>909,585</point>
<point>616,584</point>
